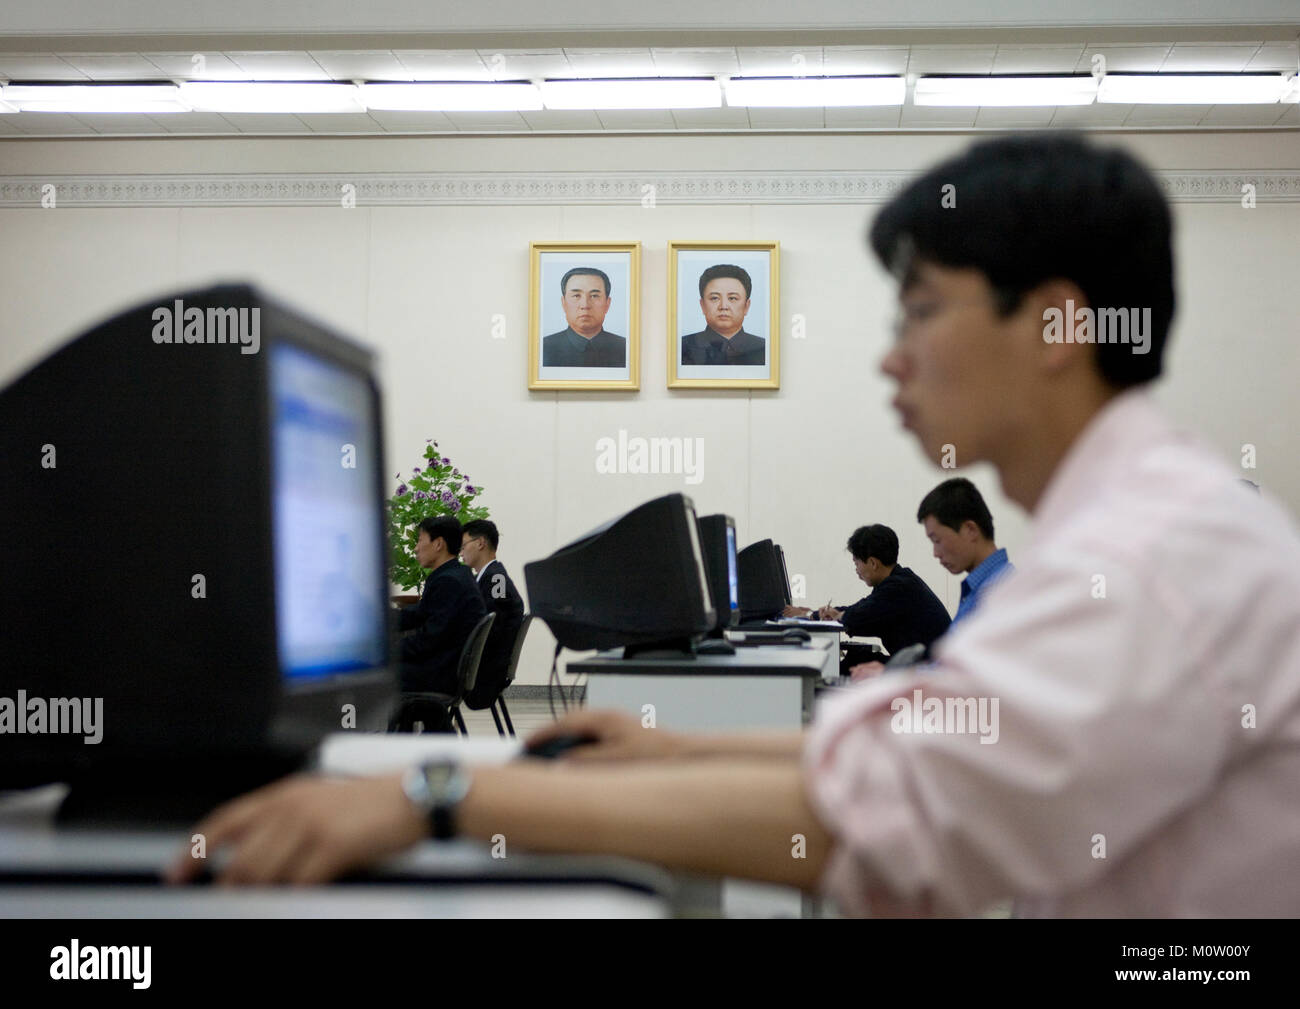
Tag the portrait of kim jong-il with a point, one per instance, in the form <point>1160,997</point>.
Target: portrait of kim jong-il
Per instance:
<point>585,343</point>
<point>724,299</point>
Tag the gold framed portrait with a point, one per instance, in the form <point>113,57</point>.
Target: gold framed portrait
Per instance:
<point>584,311</point>
<point>724,319</point>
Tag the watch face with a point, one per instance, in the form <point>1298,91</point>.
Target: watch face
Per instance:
<point>439,776</point>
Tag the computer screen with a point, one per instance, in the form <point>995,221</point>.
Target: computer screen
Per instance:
<point>329,584</point>
<point>731,571</point>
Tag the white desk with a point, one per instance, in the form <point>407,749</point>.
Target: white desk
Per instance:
<point>49,871</point>
<point>764,687</point>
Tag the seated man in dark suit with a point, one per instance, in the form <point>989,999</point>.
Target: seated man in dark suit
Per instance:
<point>901,609</point>
<point>585,343</point>
<point>724,300</point>
<point>479,550</point>
<point>449,607</point>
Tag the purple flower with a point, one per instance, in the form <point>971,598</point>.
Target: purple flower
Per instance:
<point>401,490</point>
<point>469,489</point>
<point>421,495</point>
<point>416,470</point>
<point>428,441</point>
<point>455,472</point>
<point>453,506</point>
<point>446,461</point>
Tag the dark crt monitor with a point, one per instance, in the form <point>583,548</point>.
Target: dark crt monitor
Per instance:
<point>762,595</point>
<point>194,539</point>
<point>637,582</point>
<point>718,545</point>
<point>785,575</point>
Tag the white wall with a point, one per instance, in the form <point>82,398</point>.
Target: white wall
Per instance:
<point>805,464</point>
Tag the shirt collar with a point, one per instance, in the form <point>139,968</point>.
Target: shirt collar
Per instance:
<point>985,570</point>
<point>576,340</point>
<point>483,570</point>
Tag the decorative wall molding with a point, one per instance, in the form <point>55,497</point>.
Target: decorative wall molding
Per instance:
<point>373,189</point>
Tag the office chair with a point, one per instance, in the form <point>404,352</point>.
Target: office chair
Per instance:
<point>500,701</point>
<point>414,707</point>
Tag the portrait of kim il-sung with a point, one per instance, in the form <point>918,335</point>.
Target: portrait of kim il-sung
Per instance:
<point>584,313</point>
<point>723,317</point>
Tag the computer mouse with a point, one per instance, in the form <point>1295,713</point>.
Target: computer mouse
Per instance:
<point>557,746</point>
<point>796,634</point>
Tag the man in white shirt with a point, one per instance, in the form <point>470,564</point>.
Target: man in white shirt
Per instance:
<point>1111,733</point>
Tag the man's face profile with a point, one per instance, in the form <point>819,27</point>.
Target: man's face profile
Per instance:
<point>966,378</point>
<point>586,302</point>
<point>724,305</point>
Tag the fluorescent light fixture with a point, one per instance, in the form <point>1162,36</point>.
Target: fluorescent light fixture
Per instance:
<point>1192,89</point>
<point>6,107</point>
<point>989,92</point>
<point>452,97</point>
<point>271,96</point>
<point>94,98</point>
<point>814,92</point>
<point>1292,92</point>
<point>635,93</point>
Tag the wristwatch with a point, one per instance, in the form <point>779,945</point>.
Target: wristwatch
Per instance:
<point>436,789</point>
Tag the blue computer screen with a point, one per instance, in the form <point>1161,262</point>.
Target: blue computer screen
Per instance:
<point>329,566</point>
<point>731,567</point>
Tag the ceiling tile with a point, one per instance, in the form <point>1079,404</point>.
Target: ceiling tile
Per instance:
<point>780,61</point>
<point>874,117</point>
<point>636,119</point>
<point>490,120</point>
<point>372,65</point>
<point>1034,116</point>
<point>403,121</point>
<point>1230,58</point>
<point>1126,59</point>
<point>195,122</point>
<point>340,122</point>
<point>1081,116</point>
<point>112,123</point>
<point>787,119</point>
<point>952,60</point>
<point>265,122</point>
<point>37,67</point>
<point>1242,115</point>
<point>711,119</point>
<point>525,64</point>
<point>1036,59</point>
<point>444,65</point>
<point>695,62</point>
<point>279,66</point>
<point>49,122</point>
<point>1280,56</point>
<point>1166,115</point>
<point>112,66</point>
<point>926,116</point>
<point>847,60</point>
<point>611,63</point>
<point>561,119</point>
<point>212,66</point>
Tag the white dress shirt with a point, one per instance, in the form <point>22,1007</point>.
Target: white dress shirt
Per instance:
<point>1145,663</point>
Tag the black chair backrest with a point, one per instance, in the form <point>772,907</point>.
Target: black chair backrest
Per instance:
<point>517,649</point>
<point>467,669</point>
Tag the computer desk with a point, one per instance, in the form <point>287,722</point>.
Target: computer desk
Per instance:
<point>763,687</point>
<point>49,871</point>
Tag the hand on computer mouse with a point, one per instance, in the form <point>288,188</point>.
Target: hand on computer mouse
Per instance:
<point>613,735</point>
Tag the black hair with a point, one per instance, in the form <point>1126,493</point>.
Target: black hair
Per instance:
<point>1028,208</point>
<point>588,270</point>
<point>485,528</point>
<point>876,541</point>
<point>953,502</point>
<point>726,270</point>
<point>444,527</point>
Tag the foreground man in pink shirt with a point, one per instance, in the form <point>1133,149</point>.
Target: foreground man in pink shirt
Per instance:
<point>1112,733</point>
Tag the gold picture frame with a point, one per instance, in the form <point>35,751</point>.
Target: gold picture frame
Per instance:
<point>561,356</point>
<point>706,358</point>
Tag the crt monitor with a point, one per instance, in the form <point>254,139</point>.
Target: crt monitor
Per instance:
<point>785,575</point>
<point>762,595</point>
<point>718,545</point>
<point>637,582</point>
<point>195,544</point>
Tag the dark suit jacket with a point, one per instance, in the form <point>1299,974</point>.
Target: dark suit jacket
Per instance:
<point>710,347</point>
<point>502,598</point>
<point>900,611</point>
<point>442,620</point>
<point>566,349</point>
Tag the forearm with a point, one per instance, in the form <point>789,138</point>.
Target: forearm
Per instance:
<point>788,745</point>
<point>747,818</point>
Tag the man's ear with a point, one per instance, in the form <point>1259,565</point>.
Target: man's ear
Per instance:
<point>970,532</point>
<point>1053,305</point>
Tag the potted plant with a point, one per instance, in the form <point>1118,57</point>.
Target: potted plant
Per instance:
<point>434,488</point>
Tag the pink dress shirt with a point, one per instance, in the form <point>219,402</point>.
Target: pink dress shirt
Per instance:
<point>1145,660</point>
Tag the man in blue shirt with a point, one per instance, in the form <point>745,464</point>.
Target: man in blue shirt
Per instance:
<point>958,523</point>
